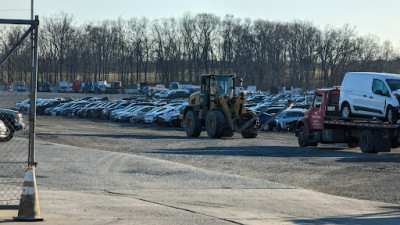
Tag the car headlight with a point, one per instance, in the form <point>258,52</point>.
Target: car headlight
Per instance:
<point>19,118</point>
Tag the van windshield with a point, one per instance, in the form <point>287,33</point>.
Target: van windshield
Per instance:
<point>394,84</point>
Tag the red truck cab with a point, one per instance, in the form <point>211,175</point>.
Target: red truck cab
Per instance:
<point>322,124</point>
<point>76,86</point>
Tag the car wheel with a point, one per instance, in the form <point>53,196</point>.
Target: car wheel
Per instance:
<point>346,111</point>
<point>391,115</point>
<point>9,134</point>
<point>277,127</point>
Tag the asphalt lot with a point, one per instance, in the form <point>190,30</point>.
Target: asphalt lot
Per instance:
<point>274,157</point>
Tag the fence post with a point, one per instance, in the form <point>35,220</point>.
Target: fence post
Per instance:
<point>32,119</point>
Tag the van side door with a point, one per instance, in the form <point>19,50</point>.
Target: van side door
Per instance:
<point>377,100</point>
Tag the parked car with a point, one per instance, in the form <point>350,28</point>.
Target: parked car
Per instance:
<point>138,115</point>
<point>370,94</point>
<point>162,94</point>
<point>3,131</point>
<point>288,118</point>
<point>105,114</point>
<point>126,115</point>
<point>178,94</point>
<point>272,125</point>
<point>46,86</point>
<point>21,86</point>
<point>172,116</point>
<point>13,121</point>
<point>256,98</point>
<point>150,116</point>
<point>40,109</point>
<point>20,105</point>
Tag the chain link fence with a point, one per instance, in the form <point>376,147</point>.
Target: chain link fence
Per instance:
<point>14,143</point>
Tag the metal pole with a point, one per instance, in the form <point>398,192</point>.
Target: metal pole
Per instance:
<point>32,121</point>
<point>31,9</point>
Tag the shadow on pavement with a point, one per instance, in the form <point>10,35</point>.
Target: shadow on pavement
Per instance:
<point>284,151</point>
<point>386,218</point>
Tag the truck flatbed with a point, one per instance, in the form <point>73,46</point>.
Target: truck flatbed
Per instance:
<point>359,122</point>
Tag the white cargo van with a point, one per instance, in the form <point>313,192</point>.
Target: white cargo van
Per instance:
<point>370,94</point>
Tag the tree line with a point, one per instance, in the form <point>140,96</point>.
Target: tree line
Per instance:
<point>264,53</point>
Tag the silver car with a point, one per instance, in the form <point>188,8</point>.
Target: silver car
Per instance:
<point>289,117</point>
<point>3,131</point>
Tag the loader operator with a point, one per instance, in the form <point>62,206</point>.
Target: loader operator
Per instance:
<point>219,88</point>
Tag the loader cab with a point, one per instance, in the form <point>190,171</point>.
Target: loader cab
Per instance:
<point>218,85</point>
<point>213,86</point>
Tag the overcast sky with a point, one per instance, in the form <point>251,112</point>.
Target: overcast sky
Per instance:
<point>380,18</point>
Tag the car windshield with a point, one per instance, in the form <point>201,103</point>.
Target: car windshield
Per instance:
<point>394,84</point>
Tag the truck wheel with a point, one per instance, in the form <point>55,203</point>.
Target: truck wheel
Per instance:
<point>9,134</point>
<point>302,137</point>
<point>391,115</point>
<point>215,124</point>
<point>346,110</point>
<point>367,143</point>
<point>192,124</point>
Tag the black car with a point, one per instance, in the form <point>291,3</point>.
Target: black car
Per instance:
<point>13,121</point>
<point>41,108</point>
<point>178,94</point>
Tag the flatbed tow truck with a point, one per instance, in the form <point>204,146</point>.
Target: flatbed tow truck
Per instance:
<point>322,124</point>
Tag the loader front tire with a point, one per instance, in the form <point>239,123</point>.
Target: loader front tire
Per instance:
<point>215,124</point>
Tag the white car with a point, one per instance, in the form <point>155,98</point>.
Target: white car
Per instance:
<point>370,94</point>
<point>139,114</point>
<point>150,116</point>
<point>3,131</point>
<point>162,94</point>
<point>172,114</point>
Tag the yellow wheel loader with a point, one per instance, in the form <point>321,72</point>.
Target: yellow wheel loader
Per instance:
<point>217,108</point>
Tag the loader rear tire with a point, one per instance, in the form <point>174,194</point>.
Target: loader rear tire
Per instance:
<point>192,124</point>
<point>215,124</point>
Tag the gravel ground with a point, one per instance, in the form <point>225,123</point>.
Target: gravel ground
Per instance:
<point>273,157</point>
